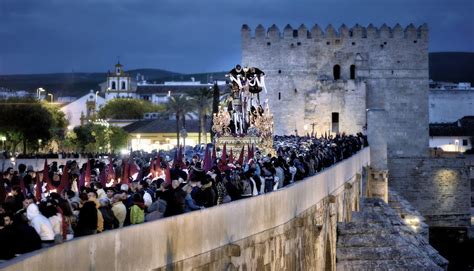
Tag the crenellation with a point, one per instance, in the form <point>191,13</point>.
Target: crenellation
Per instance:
<point>397,32</point>
<point>316,32</point>
<point>288,32</point>
<point>274,33</point>
<point>358,32</point>
<point>342,36</point>
<point>411,32</point>
<point>245,33</point>
<point>302,32</point>
<point>330,32</point>
<point>385,32</point>
<point>343,31</point>
<point>260,32</point>
<point>423,32</point>
<point>372,32</point>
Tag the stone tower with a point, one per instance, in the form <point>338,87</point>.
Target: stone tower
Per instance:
<point>327,79</point>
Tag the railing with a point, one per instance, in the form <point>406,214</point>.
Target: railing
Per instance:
<point>158,243</point>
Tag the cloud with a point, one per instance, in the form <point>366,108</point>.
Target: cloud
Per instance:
<point>191,36</point>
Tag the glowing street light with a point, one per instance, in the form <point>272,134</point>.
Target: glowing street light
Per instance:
<point>38,92</point>
<point>50,94</point>
<point>96,93</point>
<point>3,139</point>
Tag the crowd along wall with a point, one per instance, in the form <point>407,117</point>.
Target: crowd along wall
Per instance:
<point>290,229</point>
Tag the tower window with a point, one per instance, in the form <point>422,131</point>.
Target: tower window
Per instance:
<point>353,72</point>
<point>123,85</point>
<point>295,33</point>
<point>114,86</point>
<point>279,95</point>
<point>336,71</point>
<point>335,122</point>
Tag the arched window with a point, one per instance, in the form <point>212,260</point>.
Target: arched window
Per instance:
<point>336,71</point>
<point>123,85</point>
<point>353,72</point>
<point>113,85</point>
<point>279,95</point>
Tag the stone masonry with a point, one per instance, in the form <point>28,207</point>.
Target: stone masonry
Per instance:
<point>438,188</point>
<point>377,239</point>
<point>312,74</point>
<point>307,242</point>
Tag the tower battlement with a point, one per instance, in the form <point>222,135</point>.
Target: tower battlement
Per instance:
<point>410,32</point>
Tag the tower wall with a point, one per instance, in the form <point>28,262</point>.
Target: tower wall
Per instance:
<point>391,73</point>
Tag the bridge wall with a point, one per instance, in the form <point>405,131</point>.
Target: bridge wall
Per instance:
<point>290,229</point>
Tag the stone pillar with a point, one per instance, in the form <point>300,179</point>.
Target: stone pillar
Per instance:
<point>377,136</point>
<point>377,186</point>
<point>377,181</point>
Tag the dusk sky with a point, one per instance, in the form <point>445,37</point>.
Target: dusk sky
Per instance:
<point>192,36</point>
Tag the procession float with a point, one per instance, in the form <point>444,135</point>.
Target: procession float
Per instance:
<point>243,119</point>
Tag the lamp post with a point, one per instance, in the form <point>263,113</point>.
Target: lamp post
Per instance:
<point>38,92</point>
<point>184,134</point>
<point>97,92</point>
<point>50,94</point>
<point>39,144</point>
<point>138,141</point>
<point>3,139</point>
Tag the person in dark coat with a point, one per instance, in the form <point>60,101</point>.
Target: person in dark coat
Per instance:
<point>176,201</point>
<point>110,221</point>
<point>87,223</point>
<point>7,241</point>
<point>207,196</point>
<point>26,237</point>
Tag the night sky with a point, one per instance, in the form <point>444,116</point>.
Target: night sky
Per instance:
<point>192,36</point>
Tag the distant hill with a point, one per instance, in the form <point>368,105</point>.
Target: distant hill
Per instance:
<point>71,84</point>
<point>452,67</point>
<point>443,66</point>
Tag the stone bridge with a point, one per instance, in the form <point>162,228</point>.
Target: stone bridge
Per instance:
<point>294,228</point>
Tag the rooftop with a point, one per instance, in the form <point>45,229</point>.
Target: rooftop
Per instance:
<point>462,127</point>
<point>161,126</point>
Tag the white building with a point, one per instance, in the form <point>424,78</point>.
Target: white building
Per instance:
<point>8,93</point>
<point>448,103</point>
<point>453,137</point>
<point>119,84</point>
<point>84,106</point>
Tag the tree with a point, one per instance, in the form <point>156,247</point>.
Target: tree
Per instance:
<point>123,108</point>
<point>215,105</point>
<point>118,138</point>
<point>202,101</point>
<point>59,124</point>
<point>98,137</point>
<point>179,106</point>
<point>25,120</point>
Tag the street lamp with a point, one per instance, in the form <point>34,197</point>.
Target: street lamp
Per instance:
<point>184,134</point>
<point>138,141</point>
<point>97,92</point>
<point>3,139</point>
<point>50,94</point>
<point>39,144</point>
<point>38,92</point>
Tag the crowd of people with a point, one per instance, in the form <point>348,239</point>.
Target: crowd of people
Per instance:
<point>43,208</point>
